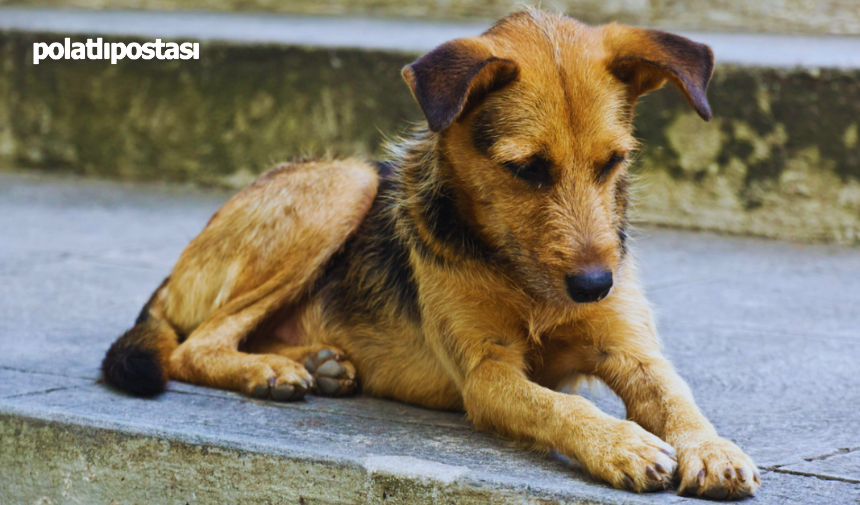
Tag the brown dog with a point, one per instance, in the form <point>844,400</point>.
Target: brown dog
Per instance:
<point>481,268</point>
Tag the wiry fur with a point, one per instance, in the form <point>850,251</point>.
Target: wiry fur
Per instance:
<point>441,277</point>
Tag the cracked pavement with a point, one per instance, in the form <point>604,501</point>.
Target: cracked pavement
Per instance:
<point>766,333</point>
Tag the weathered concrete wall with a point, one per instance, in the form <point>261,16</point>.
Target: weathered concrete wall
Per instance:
<point>774,16</point>
<point>781,158</point>
<point>234,111</point>
<point>46,462</point>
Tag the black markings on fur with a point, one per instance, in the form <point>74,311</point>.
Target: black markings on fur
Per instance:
<point>447,226</point>
<point>535,171</point>
<point>385,169</point>
<point>622,201</point>
<point>131,365</point>
<point>372,274</point>
<point>506,72</point>
<point>622,239</point>
<point>372,270</point>
<point>144,312</point>
<point>615,160</point>
<point>484,133</point>
<point>391,256</point>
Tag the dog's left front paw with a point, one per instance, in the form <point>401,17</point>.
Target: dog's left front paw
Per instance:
<point>716,468</point>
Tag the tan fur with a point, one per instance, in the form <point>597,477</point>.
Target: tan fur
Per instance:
<point>260,252</point>
<point>488,328</point>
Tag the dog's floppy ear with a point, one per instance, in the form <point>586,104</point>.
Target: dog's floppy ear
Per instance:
<point>645,59</point>
<point>454,77</point>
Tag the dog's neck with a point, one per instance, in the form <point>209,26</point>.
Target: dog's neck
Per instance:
<point>428,206</point>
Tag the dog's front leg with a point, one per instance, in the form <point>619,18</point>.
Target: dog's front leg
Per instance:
<point>626,355</point>
<point>499,398</point>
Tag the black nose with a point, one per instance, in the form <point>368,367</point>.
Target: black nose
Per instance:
<point>589,286</point>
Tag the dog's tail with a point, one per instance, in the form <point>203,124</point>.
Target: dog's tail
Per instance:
<point>137,362</point>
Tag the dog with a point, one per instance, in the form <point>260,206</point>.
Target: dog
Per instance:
<point>481,268</point>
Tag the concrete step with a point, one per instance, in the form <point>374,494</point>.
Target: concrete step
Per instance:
<point>781,159</point>
<point>775,372</point>
<point>821,17</point>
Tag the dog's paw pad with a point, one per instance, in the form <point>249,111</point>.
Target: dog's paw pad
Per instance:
<point>288,392</point>
<point>278,379</point>
<point>331,368</point>
<point>260,391</point>
<point>333,374</point>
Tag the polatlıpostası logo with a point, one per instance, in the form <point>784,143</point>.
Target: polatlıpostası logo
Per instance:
<point>114,51</point>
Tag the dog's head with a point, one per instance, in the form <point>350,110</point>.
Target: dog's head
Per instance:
<point>535,122</point>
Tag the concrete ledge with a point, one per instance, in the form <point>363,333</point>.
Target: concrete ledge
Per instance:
<point>780,159</point>
<point>100,465</point>
<point>775,372</point>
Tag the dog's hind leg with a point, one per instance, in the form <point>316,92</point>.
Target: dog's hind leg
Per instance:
<point>261,253</point>
<point>211,357</point>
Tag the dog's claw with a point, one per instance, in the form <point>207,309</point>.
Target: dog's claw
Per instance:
<point>628,482</point>
<point>652,474</point>
<point>670,454</point>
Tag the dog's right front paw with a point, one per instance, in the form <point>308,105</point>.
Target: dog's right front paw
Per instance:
<point>628,457</point>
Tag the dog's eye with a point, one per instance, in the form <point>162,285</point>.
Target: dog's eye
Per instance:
<point>535,171</point>
<point>606,171</point>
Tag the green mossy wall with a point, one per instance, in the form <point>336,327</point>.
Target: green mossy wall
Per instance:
<point>780,159</point>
